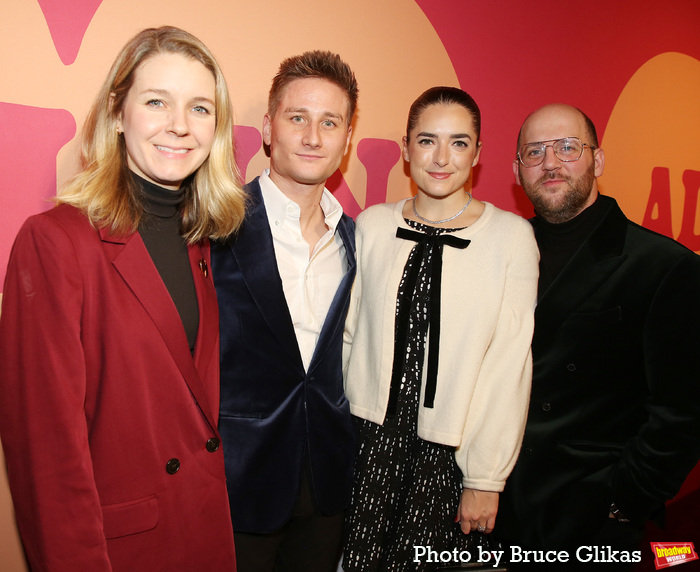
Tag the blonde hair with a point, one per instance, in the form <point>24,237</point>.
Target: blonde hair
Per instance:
<point>314,64</point>
<point>214,204</point>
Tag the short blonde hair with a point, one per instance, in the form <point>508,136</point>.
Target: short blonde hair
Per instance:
<point>314,64</point>
<point>214,204</point>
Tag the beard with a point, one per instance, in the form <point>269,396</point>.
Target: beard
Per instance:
<point>564,205</point>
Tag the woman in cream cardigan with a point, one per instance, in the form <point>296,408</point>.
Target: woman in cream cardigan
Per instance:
<point>440,367</point>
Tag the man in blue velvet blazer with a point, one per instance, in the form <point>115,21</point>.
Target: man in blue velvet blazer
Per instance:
<point>613,427</point>
<point>283,285</point>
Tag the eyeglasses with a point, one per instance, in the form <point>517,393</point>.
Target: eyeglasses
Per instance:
<point>567,149</point>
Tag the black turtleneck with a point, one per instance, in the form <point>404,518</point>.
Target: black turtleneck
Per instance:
<point>160,232</point>
<point>559,242</point>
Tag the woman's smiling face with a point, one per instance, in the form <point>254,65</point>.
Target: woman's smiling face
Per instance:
<point>442,148</point>
<point>168,119</point>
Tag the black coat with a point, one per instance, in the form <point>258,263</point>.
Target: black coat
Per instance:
<point>615,407</point>
<point>274,415</point>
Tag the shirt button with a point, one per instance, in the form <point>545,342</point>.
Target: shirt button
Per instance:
<point>213,444</point>
<point>571,367</point>
<point>172,466</point>
<point>277,223</point>
<point>546,407</point>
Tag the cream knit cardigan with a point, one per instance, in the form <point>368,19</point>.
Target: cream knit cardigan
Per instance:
<point>489,292</point>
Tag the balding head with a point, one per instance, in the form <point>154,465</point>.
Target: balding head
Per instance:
<point>560,188</point>
<point>559,111</point>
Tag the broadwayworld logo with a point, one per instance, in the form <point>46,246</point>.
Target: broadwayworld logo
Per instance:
<point>672,553</point>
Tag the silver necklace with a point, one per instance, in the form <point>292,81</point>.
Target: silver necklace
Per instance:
<point>464,208</point>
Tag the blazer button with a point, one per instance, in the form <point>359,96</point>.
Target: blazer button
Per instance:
<point>546,407</point>
<point>571,367</point>
<point>528,451</point>
<point>213,444</point>
<point>172,466</point>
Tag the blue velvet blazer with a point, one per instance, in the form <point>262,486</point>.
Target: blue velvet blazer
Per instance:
<point>275,417</point>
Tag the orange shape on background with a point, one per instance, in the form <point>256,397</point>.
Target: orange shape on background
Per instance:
<point>652,154</point>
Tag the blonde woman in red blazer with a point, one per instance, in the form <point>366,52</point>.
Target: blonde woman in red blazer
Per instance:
<point>109,340</point>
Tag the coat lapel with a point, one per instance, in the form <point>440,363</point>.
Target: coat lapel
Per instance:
<point>593,264</point>
<point>335,319</point>
<point>255,253</point>
<point>135,266</point>
<point>208,332</point>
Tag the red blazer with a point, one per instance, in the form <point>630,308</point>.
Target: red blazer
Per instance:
<point>107,421</point>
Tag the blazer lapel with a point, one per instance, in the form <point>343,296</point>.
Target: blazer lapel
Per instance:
<point>135,266</point>
<point>255,253</point>
<point>208,332</point>
<point>335,319</point>
<point>594,263</point>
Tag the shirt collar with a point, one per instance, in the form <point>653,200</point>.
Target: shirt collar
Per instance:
<point>279,207</point>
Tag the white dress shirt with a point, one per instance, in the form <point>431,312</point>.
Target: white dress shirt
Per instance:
<point>309,281</point>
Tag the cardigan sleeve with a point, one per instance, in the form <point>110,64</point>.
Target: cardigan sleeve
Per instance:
<point>497,413</point>
<point>43,424</point>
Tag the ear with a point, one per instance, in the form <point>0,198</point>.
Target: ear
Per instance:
<point>599,161</point>
<point>118,121</point>
<point>478,154</point>
<point>347,141</point>
<point>266,129</point>
<point>406,156</point>
<point>516,171</point>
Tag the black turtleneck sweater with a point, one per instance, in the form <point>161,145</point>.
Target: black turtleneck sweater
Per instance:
<point>160,232</point>
<point>559,242</point>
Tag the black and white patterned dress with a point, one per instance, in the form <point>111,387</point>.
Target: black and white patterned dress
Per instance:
<point>406,490</point>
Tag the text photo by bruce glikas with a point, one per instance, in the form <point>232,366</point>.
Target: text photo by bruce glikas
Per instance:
<point>518,555</point>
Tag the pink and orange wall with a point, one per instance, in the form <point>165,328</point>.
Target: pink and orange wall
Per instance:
<point>632,65</point>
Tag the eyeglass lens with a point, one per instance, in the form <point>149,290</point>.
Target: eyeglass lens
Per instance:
<point>567,149</point>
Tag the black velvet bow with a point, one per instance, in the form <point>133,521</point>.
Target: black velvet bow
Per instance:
<point>437,241</point>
